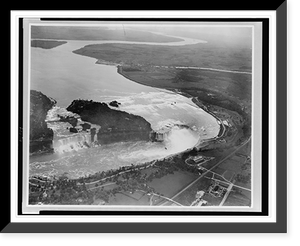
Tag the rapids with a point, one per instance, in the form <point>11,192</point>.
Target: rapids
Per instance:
<point>66,76</point>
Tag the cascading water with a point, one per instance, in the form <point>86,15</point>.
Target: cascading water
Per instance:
<point>66,76</point>
<point>75,142</point>
<point>180,139</point>
<point>64,140</point>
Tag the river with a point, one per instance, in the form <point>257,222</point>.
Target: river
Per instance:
<point>65,76</point>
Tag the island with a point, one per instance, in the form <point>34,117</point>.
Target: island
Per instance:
<point>114,104</point>
<point>115,125</point>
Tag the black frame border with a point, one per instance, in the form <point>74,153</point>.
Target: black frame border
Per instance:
<point>281,222</point>
<point>265,128</point>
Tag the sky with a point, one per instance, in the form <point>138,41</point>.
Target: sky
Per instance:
<point>227,33</point>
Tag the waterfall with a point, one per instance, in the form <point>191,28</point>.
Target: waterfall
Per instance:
<point>73,142</point>
<point>63,139</point>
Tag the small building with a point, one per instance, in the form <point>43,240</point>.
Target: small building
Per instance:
<point>159,137</point>
<point>198,158</point>
<point>216,190</point>
<point>225,123</point>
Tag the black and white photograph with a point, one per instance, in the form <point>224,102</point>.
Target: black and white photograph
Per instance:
<point>141,114</point>
<point>148,121</point>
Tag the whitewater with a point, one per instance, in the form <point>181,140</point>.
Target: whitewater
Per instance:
<point>65,76</point>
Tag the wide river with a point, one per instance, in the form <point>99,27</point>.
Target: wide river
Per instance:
<point>65,76</point>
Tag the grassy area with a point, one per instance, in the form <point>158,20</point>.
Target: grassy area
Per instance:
<point>230,84</point>
<point>211,200</point>
<point>200,55</point>
<point>187,197</point>
<point>229,175</point>
<point>246,150</point>
<point>238,197</point>
<point>129,199</point>
<point>230,165</point>
<point>170,184</point>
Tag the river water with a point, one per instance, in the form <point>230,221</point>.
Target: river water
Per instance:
<point>65,76</point>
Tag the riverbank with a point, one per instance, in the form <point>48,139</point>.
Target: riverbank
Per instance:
<point>218,104</point>
<point>221,94</point>
<point>124,180</point>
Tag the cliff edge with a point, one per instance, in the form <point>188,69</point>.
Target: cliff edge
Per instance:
<point>40,135</point>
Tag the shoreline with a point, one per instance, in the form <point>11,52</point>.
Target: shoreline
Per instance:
<point>88,181</point>
<point>120,71</point>
<point>205,105</point>
<point>43,190</point>
<point>185,94</point>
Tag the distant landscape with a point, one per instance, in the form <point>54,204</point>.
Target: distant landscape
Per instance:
<point>184,68</point>
<point>197,55</point>
<point>96,33</point>
<point>46,44</point>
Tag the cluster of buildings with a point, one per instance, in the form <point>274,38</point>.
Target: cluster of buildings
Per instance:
<point>217,189</point>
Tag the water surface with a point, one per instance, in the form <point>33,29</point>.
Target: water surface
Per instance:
<point>65,76</point>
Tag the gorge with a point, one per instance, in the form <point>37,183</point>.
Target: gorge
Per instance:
<point>40,135</point>
<point>114,125</point>
<point>67,76</point>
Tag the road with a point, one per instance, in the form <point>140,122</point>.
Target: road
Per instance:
<point>164,197</point>
<point>208,170</point>
<point>237,186</point>
<point>221,124</point>
<point>226,194</point>
<point>97,187</point>
<point>169,199</point>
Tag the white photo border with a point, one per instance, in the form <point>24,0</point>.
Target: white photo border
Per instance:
<point>271,15</point>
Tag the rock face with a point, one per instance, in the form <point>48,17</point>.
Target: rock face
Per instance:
<point>70,119</point>
<point>73,129</point>
<point>40,135</point>
<point>114,104</point>
<point>85,126</point>
<point>116,125</point>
